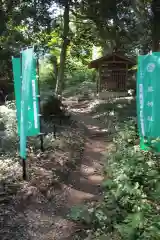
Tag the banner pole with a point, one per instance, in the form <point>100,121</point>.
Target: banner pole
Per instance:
<point>40,110</point>
<point>24,169</point>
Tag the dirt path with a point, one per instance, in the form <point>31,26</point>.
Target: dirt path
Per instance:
<point>41,205</point>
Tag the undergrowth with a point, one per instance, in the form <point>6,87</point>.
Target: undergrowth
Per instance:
<point>130,208</point>
<point>68,142</point>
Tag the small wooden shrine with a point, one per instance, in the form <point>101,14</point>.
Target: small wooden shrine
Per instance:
<point>113,72</point>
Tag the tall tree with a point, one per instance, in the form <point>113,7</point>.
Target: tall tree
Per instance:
<point>23,23</point>
<point>123,25</point>
<point>65,41</point>
<point>156,25</point>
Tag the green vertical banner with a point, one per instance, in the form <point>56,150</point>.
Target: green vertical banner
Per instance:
<point>33,125</point>
<point>148,99</point>
<point>16,65</point>
<point>26,92</point>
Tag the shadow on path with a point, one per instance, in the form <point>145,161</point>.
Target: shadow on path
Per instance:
<point>59,179</point>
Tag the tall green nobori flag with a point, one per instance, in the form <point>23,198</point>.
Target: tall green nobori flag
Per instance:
<point>148,100</point>
<point>26,91</point>
<point>33,126</point>
<point>16,65</point>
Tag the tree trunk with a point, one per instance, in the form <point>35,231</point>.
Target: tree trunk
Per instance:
<point>156,26</point>
<point>60,77</point>
<point>55,67</point>
<point>35,26</point>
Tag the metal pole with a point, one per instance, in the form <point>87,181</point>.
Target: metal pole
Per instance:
<point>24,169</point>
<point>40,110</point>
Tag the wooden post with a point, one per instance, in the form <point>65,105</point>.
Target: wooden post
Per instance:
<point>97,81</point>
<point>100,79</point>
<point>126,78</point>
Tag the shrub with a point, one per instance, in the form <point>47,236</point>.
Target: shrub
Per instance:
<point>80,90</point>
<point>47,77</point>
<point>134,182</point>
<point>77,74</point>
<point>130,206</point>
<point>53,107</point>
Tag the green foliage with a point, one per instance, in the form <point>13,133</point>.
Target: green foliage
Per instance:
<point>135,186</point>
<point>23,23</point>
<point>80,90</point>
<point>80,213</point>
<point>47,76</point>
<point>77,73</point>
<point>118,24</point>
<point>78,78</point>
<point>123,25</point>
<point>54,107</point>
<point>131,192</point>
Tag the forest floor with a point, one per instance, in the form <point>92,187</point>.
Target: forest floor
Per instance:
<point>68,173</point>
